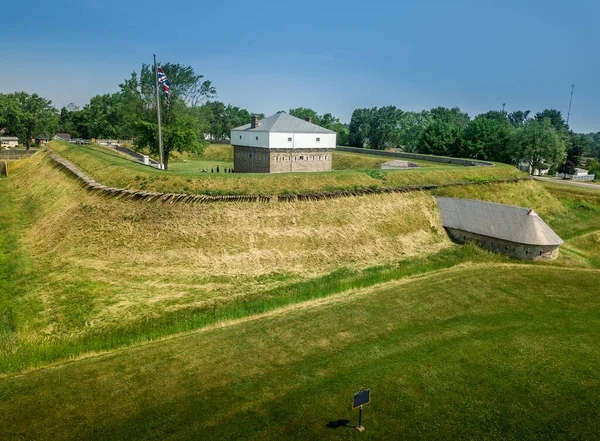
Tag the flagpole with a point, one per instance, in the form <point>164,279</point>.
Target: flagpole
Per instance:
<point>160,143</point>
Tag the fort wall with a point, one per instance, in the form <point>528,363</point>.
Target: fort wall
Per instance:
<point>512,249</point>
<point>270,160</point>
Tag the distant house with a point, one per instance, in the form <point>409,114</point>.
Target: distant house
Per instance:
<point>42,139</point>
<point>62,137</point>
<point>515,231</point>
<point>282,143</point>
<point>9,141</point>
<point>526,167</point>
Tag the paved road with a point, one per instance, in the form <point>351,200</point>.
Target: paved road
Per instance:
<point>567,182</point>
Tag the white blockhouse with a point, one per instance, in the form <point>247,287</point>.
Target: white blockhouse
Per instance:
<point>282,143</point>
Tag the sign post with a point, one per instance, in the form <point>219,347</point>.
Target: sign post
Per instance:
<point>362,398</point>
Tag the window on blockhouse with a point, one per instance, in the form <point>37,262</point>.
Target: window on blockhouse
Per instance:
<point>257,138</point>
<point>240,136</point>
<point>301,158</point>
<point>289,139</point>
<point>318,139</point>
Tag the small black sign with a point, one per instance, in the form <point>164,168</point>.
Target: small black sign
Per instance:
<point>361,398</point>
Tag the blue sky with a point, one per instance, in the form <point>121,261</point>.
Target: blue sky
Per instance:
<point>333,56</point>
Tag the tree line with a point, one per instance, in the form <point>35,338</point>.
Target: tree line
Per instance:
<point>543,140</point>
<point>194,118</point>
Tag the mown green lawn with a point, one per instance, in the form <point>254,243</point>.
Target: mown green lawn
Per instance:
<point>480,352</point>
<point>195,166</point>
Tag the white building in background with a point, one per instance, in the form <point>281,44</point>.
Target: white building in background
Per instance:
<point>282,143</point>
<point>9,141</point>
<point>526,167</point>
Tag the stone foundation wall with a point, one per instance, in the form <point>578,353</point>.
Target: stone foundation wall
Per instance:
<point>251,159</point>
<point>513,249</point>
<point>264,160</point>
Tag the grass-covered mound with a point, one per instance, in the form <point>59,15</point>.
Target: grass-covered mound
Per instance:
<point>296,306</point>
<point>89,273</point>
<point>99,273</point>
<point>184,177</point>
<point>476,352</point>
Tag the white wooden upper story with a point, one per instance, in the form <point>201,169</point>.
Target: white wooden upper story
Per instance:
<point>283,131</point>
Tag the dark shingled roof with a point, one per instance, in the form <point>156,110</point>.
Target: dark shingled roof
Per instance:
<point>282,122</point>
<point>507,222</point>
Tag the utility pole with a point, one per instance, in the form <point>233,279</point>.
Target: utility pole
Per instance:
<point>503,104</point>
<point>160,143</point>
<point>570,102</point>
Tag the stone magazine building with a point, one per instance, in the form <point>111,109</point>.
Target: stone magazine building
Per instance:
<point>282,143</point>
<point>515,231</point>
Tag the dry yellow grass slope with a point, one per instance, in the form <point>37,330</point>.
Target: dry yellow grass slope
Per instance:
<point>123,260</point>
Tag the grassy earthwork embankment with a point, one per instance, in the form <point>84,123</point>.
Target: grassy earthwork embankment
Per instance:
<point>279,311</point>
<point>356,172</point>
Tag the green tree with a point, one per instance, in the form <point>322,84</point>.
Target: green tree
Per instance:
<point>568,168</point>
<point>376,128</point>
<point>487,137</point>
<point>453,116</point>
<point>9,113</point>
<point>495,115</point>
<point>411,127</point>
<point>593,167</point>
<point>64,121</point>
<point>222,118</point>
<point>441,138</point>
<point>556,119</point>
<point>74,121</point>
<point>215,114</point>
<point>383,127</point>
<point>328,121</point>
<point>27,116</point>
<point>578,145</point>
<point>305,113</point>
<point>106,116</point>
<point>359,127</point>
<point>342,134</point>
<point>184,123</point>
<point>518,117</point>
<point>537,143</point>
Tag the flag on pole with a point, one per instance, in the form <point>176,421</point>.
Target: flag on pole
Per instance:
<point>162,79</point>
